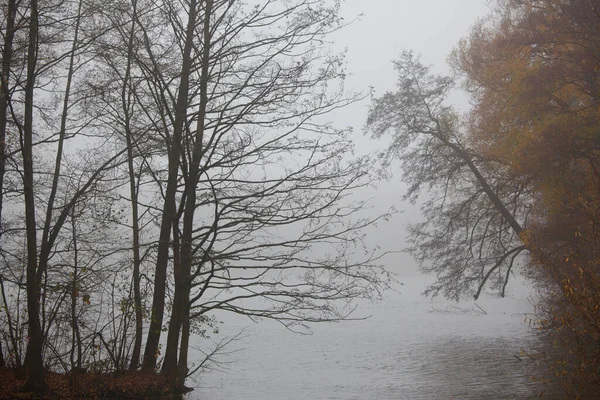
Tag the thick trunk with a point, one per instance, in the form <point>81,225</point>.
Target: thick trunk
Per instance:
<point>4,92</point>
<point>35,368</point>
<point>183,284</point>
<point>160,275</point>
<point>182,368</point>
<point>170,361</point>
<point>169,208</point>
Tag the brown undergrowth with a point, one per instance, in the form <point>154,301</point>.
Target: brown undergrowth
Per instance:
<point>138,386</point>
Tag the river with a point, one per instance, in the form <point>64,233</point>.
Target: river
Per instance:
<point>408,348</point>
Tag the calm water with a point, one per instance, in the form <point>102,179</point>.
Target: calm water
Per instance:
<point>405,350</point>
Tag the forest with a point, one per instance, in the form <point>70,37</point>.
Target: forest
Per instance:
<point>161,161</point>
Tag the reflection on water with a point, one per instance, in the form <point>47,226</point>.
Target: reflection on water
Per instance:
<point>468,368</point>
<point>401,352</point>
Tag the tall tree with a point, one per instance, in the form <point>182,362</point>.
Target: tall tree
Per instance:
<point>7,51</point>
<point>169,212</point>
<point>179,151</point>
<point>254,96</point>
<point>533,74</point>
<point>33,357</point>
<point>476,209</point>
<point>52,61</point>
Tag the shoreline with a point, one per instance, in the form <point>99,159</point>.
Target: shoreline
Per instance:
<point>93,385</point>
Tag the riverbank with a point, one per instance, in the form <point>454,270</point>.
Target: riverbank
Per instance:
<point>123,386</point>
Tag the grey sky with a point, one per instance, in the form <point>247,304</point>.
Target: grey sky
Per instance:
<point>431,28</point>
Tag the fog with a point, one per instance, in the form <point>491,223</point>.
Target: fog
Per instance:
<point>408,346</point>
<point>216,189</point>
<point>376,36</point>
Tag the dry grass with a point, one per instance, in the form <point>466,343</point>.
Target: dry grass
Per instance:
<point>91,386</point>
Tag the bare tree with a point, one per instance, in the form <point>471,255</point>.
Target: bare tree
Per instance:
<point>180,151</point>
<point>255,183</point>
<point>54,55</point>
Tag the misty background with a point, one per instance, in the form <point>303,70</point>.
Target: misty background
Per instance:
<point>405,346</point>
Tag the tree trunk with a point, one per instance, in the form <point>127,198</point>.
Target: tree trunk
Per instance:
<point>137,298</point>
<point>75,333</point>
<point>170,361</point>
<point>34,363</point>
<point>169,209</point>
<point>183,284</point>
<point>4,100</point>
<point>182,368</point>
<point>12,332</point>
<point>4,92</point>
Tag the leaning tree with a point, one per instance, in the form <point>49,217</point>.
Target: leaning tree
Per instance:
<point>475,210</point>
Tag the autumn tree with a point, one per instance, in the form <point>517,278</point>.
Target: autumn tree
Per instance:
<point>517,173</point>
<point>532,69</point>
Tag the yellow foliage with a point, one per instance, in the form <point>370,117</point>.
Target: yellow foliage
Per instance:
<point>533,72</point>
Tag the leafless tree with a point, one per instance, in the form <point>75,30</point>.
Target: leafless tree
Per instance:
<point>256,178</point>
<point>54,49</point>
<point>180,151</point>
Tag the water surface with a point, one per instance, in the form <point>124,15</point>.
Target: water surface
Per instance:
<point>407,349</point>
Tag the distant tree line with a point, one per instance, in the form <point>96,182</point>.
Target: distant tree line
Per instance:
<point>519,173</point>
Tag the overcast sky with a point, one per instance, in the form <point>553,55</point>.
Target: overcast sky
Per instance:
<point>432,28</point>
